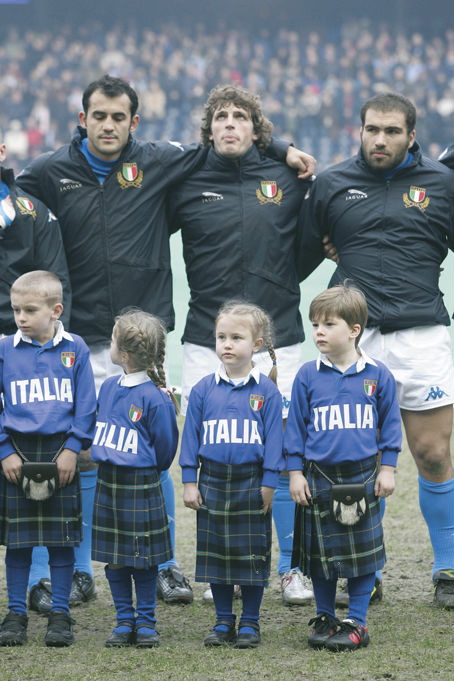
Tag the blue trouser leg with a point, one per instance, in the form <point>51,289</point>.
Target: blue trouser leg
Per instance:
<point>120,584</point>
<point>83,551</point>
<point>284,518</point>
<point>223,602</point>
<point>61,563</point>
<point>40,565</point>
<point>359,591</point>
<point>382,513</point>
<point>17,563</point>
<point>325,595</point>
<point>168,492</point>
<point>436,500</point>
<point>252,600</point>
<point>146,583</point>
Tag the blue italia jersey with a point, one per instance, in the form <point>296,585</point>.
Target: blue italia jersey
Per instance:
<point>46,389</point>
<point>334,417</point>
<point>136,424</point>
<point>234,424</point>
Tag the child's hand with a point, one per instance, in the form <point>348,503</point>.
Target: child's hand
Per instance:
<point>299,488</point>
<point>385,482</point>
<point>66,465</point>
<point>267,497</point>
<point>12,468</point>
<point>191,496</point>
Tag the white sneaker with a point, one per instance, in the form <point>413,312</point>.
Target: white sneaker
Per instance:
<point>207,595</point>
<point>296,588</point>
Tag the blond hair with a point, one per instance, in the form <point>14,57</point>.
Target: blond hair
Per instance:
<point>346,302</point>
<point>42,283</point>
<point>143,336</point>
<point>259,322</point>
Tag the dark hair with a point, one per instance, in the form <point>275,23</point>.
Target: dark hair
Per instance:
<point>222,95</point>
<point>111,87</point>
<point>391,101</point>
<point>346,302</point>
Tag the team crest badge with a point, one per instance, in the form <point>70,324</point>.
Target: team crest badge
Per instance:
<point>68,359</point>
<point>370,387</point>
<point>256,402</point>
<point>269,193</point>
<point>135,413</point>
<point>25,206</point>
<point>130,176</point>
<point>416,197</point>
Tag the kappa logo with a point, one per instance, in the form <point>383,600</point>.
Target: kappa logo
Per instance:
<point>67,185</point>
<point>416,197</point>
<point>178,145</point>
<point>68,359</point>
<point>435,393</point>
<point>269,193</point>
<point>25,206</point>
<point>130,176</point>
<point>208,197</point>
<point>355,194</point>
<point>256,402</point>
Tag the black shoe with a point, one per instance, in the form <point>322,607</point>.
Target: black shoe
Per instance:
<point>324,626</point>
<point>247,640</point>
<point>146,640</point>
<point>217,638</point>
<point>83,588</point>
<point>350,635</point>
<point>40,597</point>
<point>121,639</point>
<point>59,629</point>
<point>173,587</point>
<point>444,588</point>
<point>377,592</point>
<point>13,629</point>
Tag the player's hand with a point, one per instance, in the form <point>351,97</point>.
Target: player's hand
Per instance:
<point>385,482</point>
<point>330,249</point>
<point>299,488</point>
<point>12,468</point>
<point>267,498</point>
<point>66,466</point>
<point>191,496</point>
<point>303,163</point>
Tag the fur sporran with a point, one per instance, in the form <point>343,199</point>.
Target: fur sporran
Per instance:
<point>39,480</point>
<point>349,503</point>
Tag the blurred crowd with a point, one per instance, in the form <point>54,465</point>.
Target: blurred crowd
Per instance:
<point>312,83</point>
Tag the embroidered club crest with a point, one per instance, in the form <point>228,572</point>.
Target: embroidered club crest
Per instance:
<point>25,206</point>
<point>370,386</point>
<point>256,402</point>
<point>269,193</point>
<point>135,413</point>
<point>130,176</point>
<point>416,197</point>
<point>68,359</point>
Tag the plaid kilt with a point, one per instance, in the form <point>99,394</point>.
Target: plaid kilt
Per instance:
<point>233,535</point>
<point>324,548</point>
<point>54,522</point>
<point>130,524</point>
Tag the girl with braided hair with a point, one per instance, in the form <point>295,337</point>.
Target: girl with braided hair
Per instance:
<point>136,438</point>
<point>233,429</point>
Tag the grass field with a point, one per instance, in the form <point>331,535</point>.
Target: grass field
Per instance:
<point>411,640</point>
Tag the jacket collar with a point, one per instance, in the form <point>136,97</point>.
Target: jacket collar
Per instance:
<point>216,161</point>
<point>7,176</point>
<point>415,149</point>
<point>221,374</point>
<point>133,379</point>
<point>79,133</point>
<point>355,368</point>
<point>59,335</point>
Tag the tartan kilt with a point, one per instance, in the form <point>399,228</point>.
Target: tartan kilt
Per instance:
<point>57,521</point>
<point>233,535</point>
<point>324,548</point>
<point>130,524</point>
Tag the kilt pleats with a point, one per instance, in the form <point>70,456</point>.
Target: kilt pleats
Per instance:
<point>233,535</point>
<point>322,547</point>
<point>130,524</point>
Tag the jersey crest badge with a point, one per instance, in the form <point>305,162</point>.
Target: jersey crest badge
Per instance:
<point>130,176</point>
<point>370,386</point>
<point>135,413</point>
<point>25,206</point>
<point>269,193</point>
<point>256,402</point>
<point>416,197</point>
<point>68,359</point>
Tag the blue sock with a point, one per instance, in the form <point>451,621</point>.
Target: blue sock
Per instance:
<point>325,595</point>
<point>121,589</point>
<point>40,565</point>
<point>223,602</point>
<point>284,517</point>
<point>359,591</point>
<point>168,492</point>
<point>82,552</point>
<point>252,600</point>
<point>382,513</point>
<point>146,583</point>
<point>17,563</point>
<point>61,563</point>
<point>436,500</point>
